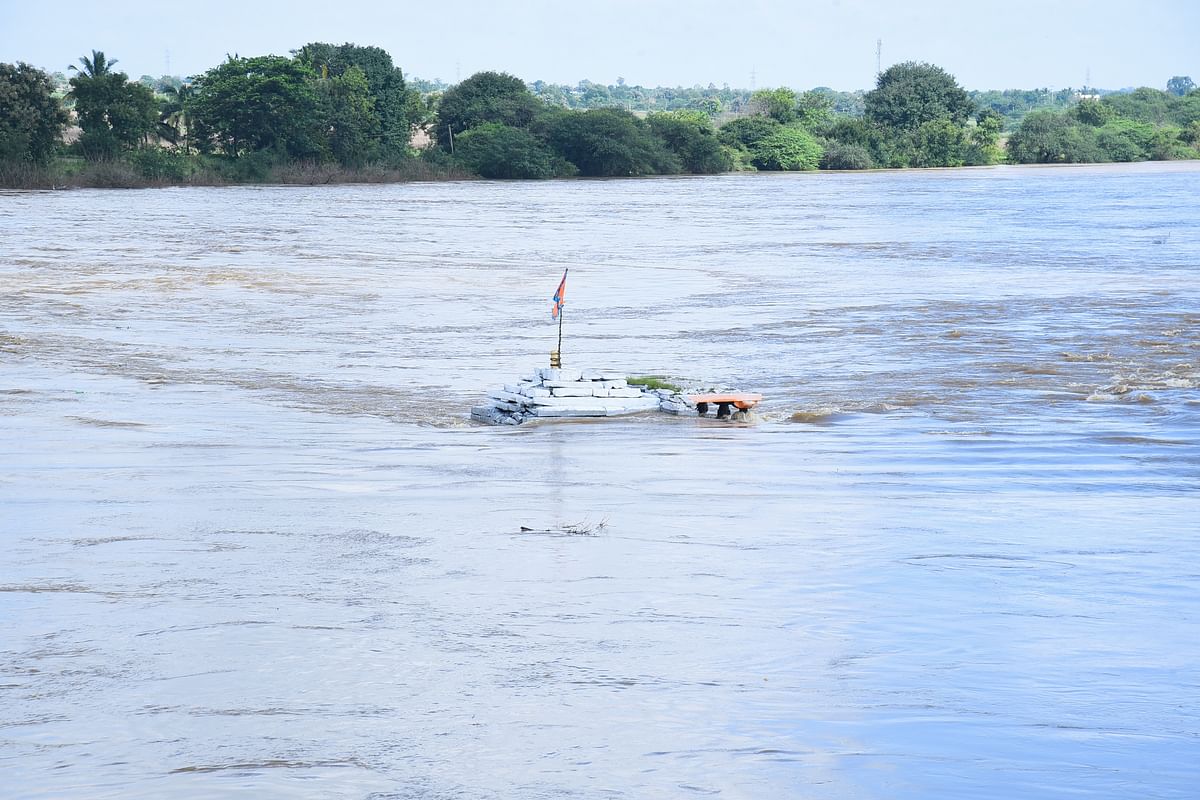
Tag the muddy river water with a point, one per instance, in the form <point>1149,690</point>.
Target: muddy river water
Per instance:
<point>253,546</point>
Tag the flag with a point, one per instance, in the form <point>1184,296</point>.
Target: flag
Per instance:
<point>559,297</point>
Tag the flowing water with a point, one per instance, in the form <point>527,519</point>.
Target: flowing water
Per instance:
<point>252,545</point>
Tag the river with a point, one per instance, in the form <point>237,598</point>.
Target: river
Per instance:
<point>253,545</point>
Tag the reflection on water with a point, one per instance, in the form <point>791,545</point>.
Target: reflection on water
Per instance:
<point>252,543</point>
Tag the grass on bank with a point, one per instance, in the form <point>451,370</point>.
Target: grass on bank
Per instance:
<point>653,382</point>
<point>158,167</point>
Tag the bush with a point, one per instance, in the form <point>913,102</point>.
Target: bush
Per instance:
<point>690,136</point>
<point>1045,137</point>
<point>787,149</point>
<point>939,143</point>
<point>254,167</point>
<point>160,164</point>
<point>1125,140</point>
<point>493,150</point>
<point>845,156</point>
<point>746,132</point>
<point>610,142</point>
<point>109,175</point>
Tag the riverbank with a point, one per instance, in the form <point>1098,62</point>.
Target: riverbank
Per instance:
<point>70,173</point>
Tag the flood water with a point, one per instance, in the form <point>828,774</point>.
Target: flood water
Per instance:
<point>253,546</point>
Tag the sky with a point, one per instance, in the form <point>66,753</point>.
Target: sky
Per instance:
<point>745,43</point>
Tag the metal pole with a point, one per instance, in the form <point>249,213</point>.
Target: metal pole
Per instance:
<point>560,316</point>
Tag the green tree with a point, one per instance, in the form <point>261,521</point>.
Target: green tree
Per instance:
<point>1180,85</point>
<point>259,103</point>
<point>747,132</point>
<point>908,95</point>
<point>939,143</point>
<point>778,104</point>
<point>1093,112</point>
<point>814,110</point>
<point>31,119</point>
<point>492,150</point>
<point>348,109</point>
<point>1126,140</point>
<point>787,149</point>
<point>610,142</point>
<point>1144,105</point>
<point>983,147</point>
<point>846,156</point>
<point>397,106</point>
<point>484,97</point>
<point>1045,137</point>
<point>691,137</point>
<point>114,113</point>
<point>174,112</point>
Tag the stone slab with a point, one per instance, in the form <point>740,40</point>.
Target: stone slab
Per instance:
<point>574,390</point>
<point>509,397</point>
<point>553,374</point>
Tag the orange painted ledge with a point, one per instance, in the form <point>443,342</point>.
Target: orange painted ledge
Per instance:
<point>741,400</point>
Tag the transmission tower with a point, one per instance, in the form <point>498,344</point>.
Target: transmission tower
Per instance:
<point>878,57</point>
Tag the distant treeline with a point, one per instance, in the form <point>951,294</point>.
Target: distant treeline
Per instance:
<point>344,112</point>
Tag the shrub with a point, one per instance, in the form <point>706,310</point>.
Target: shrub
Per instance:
<point>787,149</point>
<point>160,164</point>
<point>1126,140</point>
<point>746,132</point>
<point>610,142</point>
<point>493,150</point>
<point>845,156</point>
<point>1045,137</point>
<point>690,136</point>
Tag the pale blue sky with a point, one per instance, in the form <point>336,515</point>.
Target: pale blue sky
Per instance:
<point>998,44</point>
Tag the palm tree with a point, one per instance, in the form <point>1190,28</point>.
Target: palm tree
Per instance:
<point>96,66</point>
<point>176,116</point>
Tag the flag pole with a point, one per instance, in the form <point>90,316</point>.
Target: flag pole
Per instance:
<point>556,356</point>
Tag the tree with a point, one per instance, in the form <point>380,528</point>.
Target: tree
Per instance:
<point>691,137</point>
<point>1045,137</point>
<point>1180,85</point>
<point>747,132</point>
<point>397,106</point>
<point>1126,140</point>
<point>908,95</point>
<point>175,112</point>
<point>95,67</point>
<point>845,156</point>
<point>348,112</point>
<point>778,104</point>
<point>484,97</point>
<point>983,147</point>
<point>1093,112</point>
<point>31,119</point>
<point>787,149</point>
<point>260,103</point>
<point>492,150</point>
<point>610,142</point>
<point>114,113</point>
<point>814,110</point>
<point>1144,105</point>
<point>939,143</point>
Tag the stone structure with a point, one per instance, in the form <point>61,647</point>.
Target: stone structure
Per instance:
<point>557,392</point>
